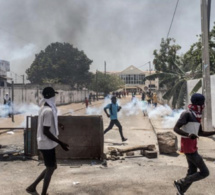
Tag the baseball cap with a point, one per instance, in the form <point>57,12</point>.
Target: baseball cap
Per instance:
<point>48,92</point>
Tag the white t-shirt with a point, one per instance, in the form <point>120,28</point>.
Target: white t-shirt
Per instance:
<point>46,118</point>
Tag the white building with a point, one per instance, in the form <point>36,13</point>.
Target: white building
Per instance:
<point>4,68</point>
<point>134,79</point>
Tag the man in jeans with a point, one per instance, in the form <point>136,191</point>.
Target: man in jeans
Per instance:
<point>113,109</point>
<point>189,127</point>
<point>47,139</point>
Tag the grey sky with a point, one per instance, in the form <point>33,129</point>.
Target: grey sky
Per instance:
<point>121,32</point>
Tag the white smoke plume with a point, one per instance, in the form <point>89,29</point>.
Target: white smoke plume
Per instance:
<point>159,111</point>
<point>98,111</point>
<point>24,109</point>
<point>170,121</point>
<point>24,52</point>
<point>169,116</point>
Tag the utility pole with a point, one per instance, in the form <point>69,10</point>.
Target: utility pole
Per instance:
<point>23,83</point>
<point>96,86</point>
<point>12,104</point>
<point>206,85</point>
<point>105,67</point>
<point>150,75</point>
<point>23,79</point>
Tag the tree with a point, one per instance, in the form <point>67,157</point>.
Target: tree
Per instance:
<point>192,59</point>
<point>173,70</point>
<point>170,72</point>
<point>106,82</point>
<point>60,63</point>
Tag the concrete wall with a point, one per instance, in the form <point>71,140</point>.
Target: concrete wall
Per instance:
<point>192,83</point>
<point>84,134</point>
<point>32,94</point>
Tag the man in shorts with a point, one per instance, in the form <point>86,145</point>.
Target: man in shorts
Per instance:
<point>47,139</point>
<point>113,109</point>
<point>189,127</point>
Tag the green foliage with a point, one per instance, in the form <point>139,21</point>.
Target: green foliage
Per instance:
<point>196,87</point>
<point>170,71</point>
<point>192,59</point>
<point>173,70</point>
<point>106,82</point>
<point>60,63</point>
<point>166,58</point>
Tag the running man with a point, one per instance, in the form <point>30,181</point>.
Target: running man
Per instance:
<point>189,127</point>
<point>113,109</point>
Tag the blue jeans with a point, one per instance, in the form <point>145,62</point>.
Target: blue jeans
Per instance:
<point>195,162</point>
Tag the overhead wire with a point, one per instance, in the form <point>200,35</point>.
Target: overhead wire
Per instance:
<point>143,65</point>
<point>172,19</point>
<point>169,28</point>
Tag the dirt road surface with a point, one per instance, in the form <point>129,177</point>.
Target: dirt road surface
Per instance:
<point>135,175</point>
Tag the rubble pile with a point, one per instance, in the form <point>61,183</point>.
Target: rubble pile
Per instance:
<point>113,153</point>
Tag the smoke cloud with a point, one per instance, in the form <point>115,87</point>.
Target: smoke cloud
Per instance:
<point>121,32</point>
<point>135,107</point>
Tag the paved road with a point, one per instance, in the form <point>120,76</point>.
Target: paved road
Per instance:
<point>134,175</point>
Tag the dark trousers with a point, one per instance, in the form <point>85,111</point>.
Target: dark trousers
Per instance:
<point>195,162</point>
<point>117,123</point>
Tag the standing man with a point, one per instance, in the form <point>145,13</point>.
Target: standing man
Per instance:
<point>90,98</point>
<point>113,109</point>
<point>7,104</point>
<point>149,97</point>
<point>47,140</point>
<point>86,102</point>
<point>189,127</point>
<point>143,96</point>
<point>154,99</point>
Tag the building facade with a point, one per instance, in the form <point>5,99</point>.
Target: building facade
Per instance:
<point>134,80</point>
<point>4,68</point>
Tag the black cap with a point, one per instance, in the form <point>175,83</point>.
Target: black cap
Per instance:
<point>197,99</point>
<point>48,92</point>
<point>113,98</point>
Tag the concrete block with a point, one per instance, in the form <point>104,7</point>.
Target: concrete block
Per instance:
<point>130,153</point>
<point>143,152</point>
<point>84,134</point>
<point>151,154</point>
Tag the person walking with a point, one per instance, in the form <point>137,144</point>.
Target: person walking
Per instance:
<point>47,139</point>
<point>113,109</point>
<point>154,99</point>
<point>189,127</point>
<point>149,97</point>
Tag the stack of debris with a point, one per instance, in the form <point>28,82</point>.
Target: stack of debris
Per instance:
<point>148,151</point>
<point>168,142</point>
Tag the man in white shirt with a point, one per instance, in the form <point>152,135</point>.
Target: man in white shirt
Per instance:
<point>47,139</point>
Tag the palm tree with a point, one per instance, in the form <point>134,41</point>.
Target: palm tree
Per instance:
<point>173,73</point>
